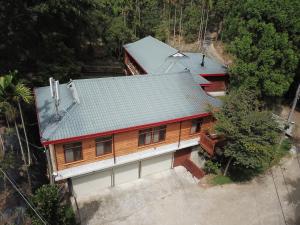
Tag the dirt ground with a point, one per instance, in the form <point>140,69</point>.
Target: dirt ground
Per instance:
<point>172,197</point>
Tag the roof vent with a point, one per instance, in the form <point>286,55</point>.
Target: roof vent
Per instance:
<point>72,87</point>
<point>178,54</point>
<point>202,63</point>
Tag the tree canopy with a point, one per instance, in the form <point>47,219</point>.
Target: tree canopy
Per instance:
<point>263,36</point>
<point>251,133</point>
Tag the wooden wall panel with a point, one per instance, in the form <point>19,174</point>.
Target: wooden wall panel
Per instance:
<point>126,143</point>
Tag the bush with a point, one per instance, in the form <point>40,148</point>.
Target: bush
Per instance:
<point>46,201</point>
<point>212,167</point>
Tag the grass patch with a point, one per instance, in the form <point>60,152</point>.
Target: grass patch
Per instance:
<point>282,151</point>
<point>220,180</point>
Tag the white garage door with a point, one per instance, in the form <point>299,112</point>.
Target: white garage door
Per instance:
<point>90,184</point>
<point>156,164</point>
<point>126,173</point>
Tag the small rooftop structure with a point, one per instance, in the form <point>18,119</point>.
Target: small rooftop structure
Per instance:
<point>113,104</point>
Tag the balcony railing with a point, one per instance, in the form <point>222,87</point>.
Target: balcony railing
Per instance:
<point>209,142</point>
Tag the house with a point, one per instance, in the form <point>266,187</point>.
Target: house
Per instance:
<point>151,56</point>
<point>106,131</point>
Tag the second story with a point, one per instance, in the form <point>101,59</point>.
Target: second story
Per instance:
<point>113,118</point>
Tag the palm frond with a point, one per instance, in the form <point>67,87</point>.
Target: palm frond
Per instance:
<point>23,92</point>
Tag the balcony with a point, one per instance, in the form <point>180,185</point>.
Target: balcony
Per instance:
<point>209,142</point>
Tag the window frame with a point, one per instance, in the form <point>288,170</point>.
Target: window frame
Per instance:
<point>108,138</point>
<point>66,148</point>
<point>152,131</point>
<point>198,122</point>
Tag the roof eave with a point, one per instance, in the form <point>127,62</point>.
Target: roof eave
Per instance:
<point>87,136</point>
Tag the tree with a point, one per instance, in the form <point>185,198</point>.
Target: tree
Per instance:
<point>251,133</point>
<point>11,93</point>
<point>47,202</point>
<point>261,34</point>
<point>46,38</point>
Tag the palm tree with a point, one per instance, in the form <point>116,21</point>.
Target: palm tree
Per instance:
<point>11,95</point>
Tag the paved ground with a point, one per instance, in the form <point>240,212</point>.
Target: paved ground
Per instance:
<point>173,197</point>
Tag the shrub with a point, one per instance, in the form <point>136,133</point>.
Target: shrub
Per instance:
<point>212,167</point>
<point>46,201</point>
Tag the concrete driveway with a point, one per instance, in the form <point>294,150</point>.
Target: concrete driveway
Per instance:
<point>174,197</point>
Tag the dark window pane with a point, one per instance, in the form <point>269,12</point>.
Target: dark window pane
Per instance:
<point>142,139</point>
<point>196,126</point>
<point>73,152</point>
<point>162,135</point>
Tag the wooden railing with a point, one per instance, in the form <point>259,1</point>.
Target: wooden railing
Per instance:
<point>193,169</point>
<point>209,142</point>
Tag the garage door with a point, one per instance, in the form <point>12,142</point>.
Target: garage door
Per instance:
<point>126,173</point>
<point>156,164</point>
<point>90,184</point>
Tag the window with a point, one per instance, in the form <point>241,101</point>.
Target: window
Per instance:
<point>196,126</point>
<point>152,135</point>
<point>103,145</point>
<point>73,152</point>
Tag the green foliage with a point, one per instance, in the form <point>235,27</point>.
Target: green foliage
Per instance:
<point>46,201</point>
<point>251,133</point>
<point>45,37</point>
<point>282,150</point>
<point>221,180</point>
<point>264,37</point>
<point>212,167</point>
<point>12,92</point>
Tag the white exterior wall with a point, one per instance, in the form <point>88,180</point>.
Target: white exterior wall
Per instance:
<point>126,173</point>
<point>156,164</point>
<point>90,184</point>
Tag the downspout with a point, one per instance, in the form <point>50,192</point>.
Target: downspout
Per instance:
<point>179,137</point>
<point>49,165</point>
<point>114,152</point>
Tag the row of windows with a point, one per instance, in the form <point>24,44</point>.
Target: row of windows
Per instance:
<point>73,151</point>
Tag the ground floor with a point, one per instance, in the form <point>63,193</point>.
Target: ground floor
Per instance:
<point>90,184</point>
<point>175,197</point>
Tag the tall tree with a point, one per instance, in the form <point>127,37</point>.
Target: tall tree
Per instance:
<point>264,37</point>
<point>251,133</point>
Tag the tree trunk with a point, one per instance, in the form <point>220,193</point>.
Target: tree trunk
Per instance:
<point>28,179</point>
<point>227,167</point>
<point>2,154</point>
<point>204,35</point>
<point>7,121</point>
<point>25,134</point>
<point>20,143</point>
<point>180,25</point>
<point>201,25</point>
<point>174,32</point>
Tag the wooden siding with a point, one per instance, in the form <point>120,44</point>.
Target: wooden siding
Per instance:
<point>218,83</point>
<point>127,142</point>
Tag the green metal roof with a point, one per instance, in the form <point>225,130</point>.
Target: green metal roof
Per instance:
<point>155,56</point>
<point>108,104</point>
